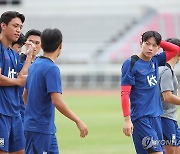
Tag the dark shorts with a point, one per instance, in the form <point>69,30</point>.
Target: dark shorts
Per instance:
<point>40,143</point>
<point>11,134</point>
<point>147,135</point>
<point>171,132</point>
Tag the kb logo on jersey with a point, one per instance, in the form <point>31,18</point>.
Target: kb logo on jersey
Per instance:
<point>152,80</point>
<point>11,73</point>
<point>1,142</point>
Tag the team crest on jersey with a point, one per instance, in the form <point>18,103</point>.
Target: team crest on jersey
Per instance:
<point>1,142</point>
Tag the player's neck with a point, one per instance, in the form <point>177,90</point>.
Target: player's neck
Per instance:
<point>143,57</point>
<point>5,41</point>
<point>51,56</point>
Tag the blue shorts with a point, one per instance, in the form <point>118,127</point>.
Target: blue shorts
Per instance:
<point>40,143</point>
<point>11,134</point>
<point>171,132</point>
<point>147,135</point>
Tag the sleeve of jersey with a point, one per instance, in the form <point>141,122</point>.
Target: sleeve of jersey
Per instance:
<point>171,49</point>
<point>127,77</point>
<point>53,80</point>
<point>125,92</point>
<point>166,85</point>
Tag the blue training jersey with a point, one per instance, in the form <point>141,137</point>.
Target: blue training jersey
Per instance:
<point>43,79</point>
<point>144,97</point>
<point>10,66</point>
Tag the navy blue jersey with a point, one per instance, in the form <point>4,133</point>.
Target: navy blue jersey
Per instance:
<point>144,96</point>
<point>10,66</point>
<point>43,79</point>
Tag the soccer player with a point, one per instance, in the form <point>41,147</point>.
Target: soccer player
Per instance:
<point>11,129</point>
<point>139,83</point>
<point>169,90</point>
<point>33,36</point>
<point>43,93</point>
<point>17,46</point>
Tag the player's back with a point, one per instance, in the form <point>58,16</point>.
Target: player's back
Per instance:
<point>39,114</point>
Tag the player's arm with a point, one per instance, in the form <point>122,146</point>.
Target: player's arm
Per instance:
<point>66,111</point>
<point>5,81</point>
<point>169,97</point>
<point>171,49</point>
<point>24,96</point>
<point>29,58</point>
<point>128,126</point>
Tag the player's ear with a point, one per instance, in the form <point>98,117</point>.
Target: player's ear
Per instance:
<point>3,25</point>
<point>140,43</point>
<point>60,46</point>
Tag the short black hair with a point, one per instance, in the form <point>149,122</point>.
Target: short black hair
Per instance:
<point>154,34</point>
<point>7,16</point>
<point>21,40</point>
<point>34,32</point>
<point>175,41</point>
<point>51,39</point>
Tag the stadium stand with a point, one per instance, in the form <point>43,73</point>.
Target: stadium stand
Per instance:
<point>83,35</point>
<point>165,23</point>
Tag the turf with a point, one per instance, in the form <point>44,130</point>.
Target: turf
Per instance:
<point>102,114</point>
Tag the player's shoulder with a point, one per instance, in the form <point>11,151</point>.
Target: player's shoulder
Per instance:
<point>130,63</point>
<point>161,55</point>
<point>14,52</point>
<point>52,67</point>
<point>127,62</point>
<point>165,71</point>
<point>164,68</point>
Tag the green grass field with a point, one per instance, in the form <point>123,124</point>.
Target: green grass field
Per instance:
<point>101,112</point>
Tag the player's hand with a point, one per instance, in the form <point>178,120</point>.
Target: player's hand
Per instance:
<point>30,48</point>
<point>21,80</point>
<point>83,129</point>
<point>128,127</point>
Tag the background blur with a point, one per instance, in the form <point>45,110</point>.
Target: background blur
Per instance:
<point>98,34</point>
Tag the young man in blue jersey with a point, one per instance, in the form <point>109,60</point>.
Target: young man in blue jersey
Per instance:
<point>169,90</point>
<point>43,93</point>
<point>11,129</point>
<point>140,92</point>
